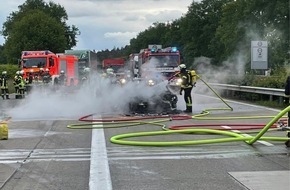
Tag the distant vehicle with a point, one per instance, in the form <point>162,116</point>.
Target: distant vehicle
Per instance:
<point>34,62</point>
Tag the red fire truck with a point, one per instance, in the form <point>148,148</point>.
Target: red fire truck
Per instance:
<point>35,61</point>
<point>157,62</point>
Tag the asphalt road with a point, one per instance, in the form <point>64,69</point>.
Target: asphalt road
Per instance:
<point>42,153</point>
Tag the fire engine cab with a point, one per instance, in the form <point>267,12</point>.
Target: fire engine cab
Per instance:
<point>34,61</point>
<point>157,62</point>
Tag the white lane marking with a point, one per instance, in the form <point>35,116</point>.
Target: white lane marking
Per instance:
<point>247,135</point>
<point>100,178</point>
<point>136,153</point>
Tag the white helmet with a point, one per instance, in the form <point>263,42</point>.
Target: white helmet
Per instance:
<point>110,70</point>
<point>62,72</point>
<point>4,72</point>
<point>17,72</point>
<point>86,70</point>
<point>182,66</point>
<point>21,72</point>
<point>46,69</point>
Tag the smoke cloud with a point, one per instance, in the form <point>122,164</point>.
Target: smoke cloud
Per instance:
<point>96,96</point>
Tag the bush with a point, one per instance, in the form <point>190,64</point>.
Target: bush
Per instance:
<point>11,70</point>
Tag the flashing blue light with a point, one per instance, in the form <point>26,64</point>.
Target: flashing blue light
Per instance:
<point>174,49</point>
<point>153,50</point>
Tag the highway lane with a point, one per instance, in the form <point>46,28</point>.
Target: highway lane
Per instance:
<point>45,154</point>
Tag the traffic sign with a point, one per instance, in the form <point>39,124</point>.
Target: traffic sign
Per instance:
<point>259,55</point>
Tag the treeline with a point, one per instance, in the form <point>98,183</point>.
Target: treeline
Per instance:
<point>212,33</point>
<point>219,33</point>
<point>37,25</point>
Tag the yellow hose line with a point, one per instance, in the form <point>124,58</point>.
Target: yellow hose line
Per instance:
<point>98,125</point>
<point>234,137</point>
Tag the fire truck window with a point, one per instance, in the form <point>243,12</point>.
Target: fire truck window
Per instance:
<point>34,62</point>
<point>164,61</point>
<point>24,62</point>
<point>51,62</point>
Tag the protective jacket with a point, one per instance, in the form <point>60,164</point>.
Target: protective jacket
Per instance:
<point>17,80</point>
<point>188,78</point>
<point>46,78</point>
<point>62,79</point>
<point>3,82</point>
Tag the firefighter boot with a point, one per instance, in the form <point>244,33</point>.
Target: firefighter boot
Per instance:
<point>188,109</point>
<point>7,96</point>
<point>3,97</point>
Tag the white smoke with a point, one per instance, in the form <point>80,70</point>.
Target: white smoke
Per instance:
<point>96,96</point>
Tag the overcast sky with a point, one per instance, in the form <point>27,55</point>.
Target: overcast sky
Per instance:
<point>105,24</point>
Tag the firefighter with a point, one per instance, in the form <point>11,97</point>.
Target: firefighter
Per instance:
<point>111,75</point>
<point>287,96</point>
<point>21,84</point>
<point>28,82</point>
<point>41,73</point>
<point>62,78</point>
<point>17,81</point>
<point>188,82</point>
<point>46,78</point>
<point>86,75</point>
<point>4,85</point>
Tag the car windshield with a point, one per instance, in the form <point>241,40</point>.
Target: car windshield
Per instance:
<point>36,62</point>
<point>164,60</point>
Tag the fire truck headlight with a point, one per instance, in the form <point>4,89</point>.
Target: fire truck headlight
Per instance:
<point>151,82</point>
<point>123,81</point>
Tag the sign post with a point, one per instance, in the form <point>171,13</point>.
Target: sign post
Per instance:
<point>259,55</point>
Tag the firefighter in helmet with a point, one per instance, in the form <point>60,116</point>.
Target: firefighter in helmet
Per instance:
<point>29,81</point>
<point>188,78</point>
<point>111,75</point>
<point>4,85</point>
<point>22,85</point>
<point>62,78</point>
<point>46,78</point>
<point>17,81</point>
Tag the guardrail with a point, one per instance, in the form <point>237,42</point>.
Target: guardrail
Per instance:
<point>259,90</point>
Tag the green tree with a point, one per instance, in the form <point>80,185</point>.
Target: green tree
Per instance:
<point>155,34</point>
<point>52,12</point>
<point>26,35</point>
<point>246,20</point>
<point>2,55</point>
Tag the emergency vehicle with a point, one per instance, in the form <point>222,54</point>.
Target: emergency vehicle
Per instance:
<point>156,62</point>
<point>36,61</point>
